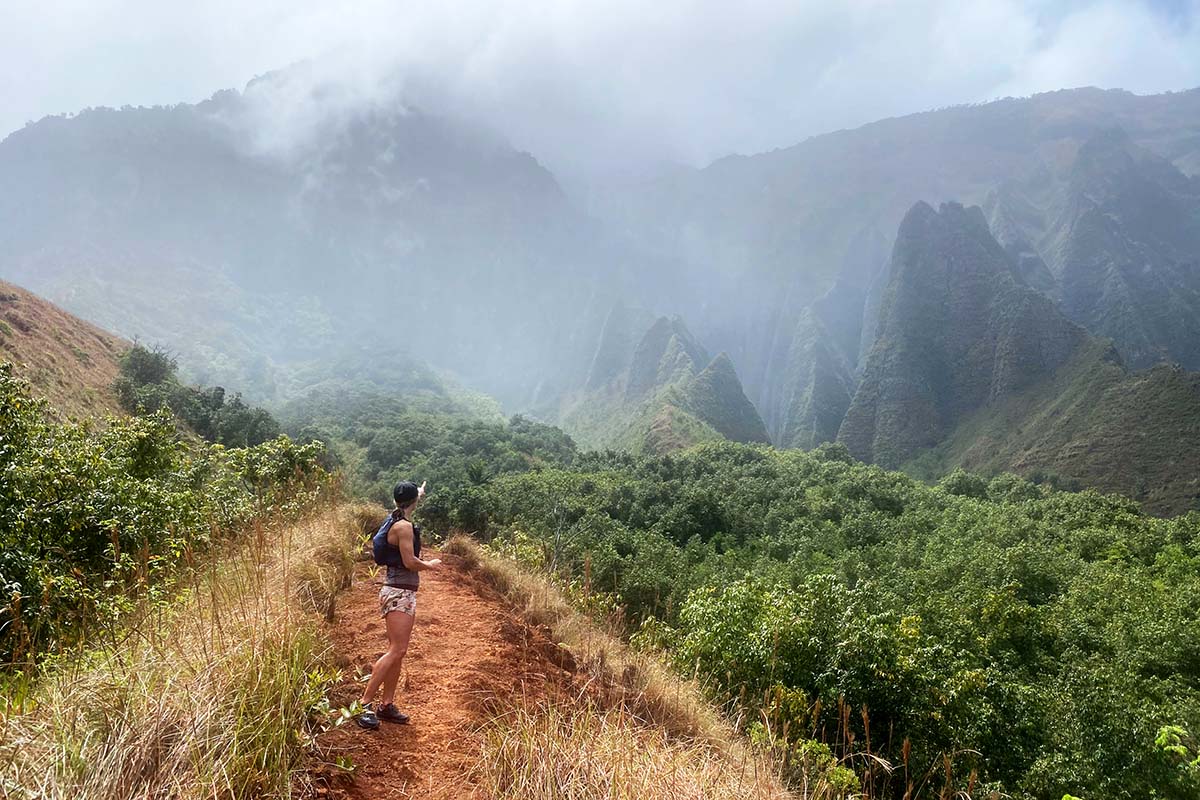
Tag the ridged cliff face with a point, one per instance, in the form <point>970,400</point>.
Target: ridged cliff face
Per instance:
<point>818,388</point>
<point>623,330</point>
<point>1115,238</point>
<point>661,393</point>
<point>715,396</point>
<point>1124,247</point>
<point>772,232</point>
<point>958,329</point>
<point>666,352</point>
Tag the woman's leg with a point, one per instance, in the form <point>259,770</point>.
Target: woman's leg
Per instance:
<point>399,631</point>
<point>403,635</point>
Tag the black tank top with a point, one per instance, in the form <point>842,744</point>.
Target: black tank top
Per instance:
<point>402,577</point>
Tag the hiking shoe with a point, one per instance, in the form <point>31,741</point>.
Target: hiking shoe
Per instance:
<point>368,719</point>
<point>393,714</point>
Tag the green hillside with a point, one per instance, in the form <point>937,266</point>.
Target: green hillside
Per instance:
<point>70,362</point>
<point>1093,424</point>
<point>662,393</point>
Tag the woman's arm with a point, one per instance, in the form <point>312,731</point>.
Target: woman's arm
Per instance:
<point>403,531</point>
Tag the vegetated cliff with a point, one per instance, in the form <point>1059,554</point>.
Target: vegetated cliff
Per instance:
<point>972,367</point>
<point>667,393</point>
<point>66,360</point>
<point>1116,239</point>
<point>772,232</point>
<point>819,386</point>
<point>958,330</point>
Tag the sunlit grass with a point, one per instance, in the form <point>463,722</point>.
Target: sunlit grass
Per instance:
<point>583,752</point>
<point>212,695</point>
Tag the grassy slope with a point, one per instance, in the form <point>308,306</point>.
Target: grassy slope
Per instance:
<point>67,360</point>
<point>209,695</point>
<point>1137,434</point>
<point>641,731</point>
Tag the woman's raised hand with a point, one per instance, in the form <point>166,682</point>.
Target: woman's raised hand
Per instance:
<point>421,489</point>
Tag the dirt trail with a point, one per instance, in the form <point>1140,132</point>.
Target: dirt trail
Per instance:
<point>469,653</point>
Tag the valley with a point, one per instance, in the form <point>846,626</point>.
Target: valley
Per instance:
<point>398,230</point>
<point>867,467</point>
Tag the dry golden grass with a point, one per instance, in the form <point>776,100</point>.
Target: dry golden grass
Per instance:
<point>209,696</point>
<point>71,362</point>
<point>583,752</point>
<point>640,731</point>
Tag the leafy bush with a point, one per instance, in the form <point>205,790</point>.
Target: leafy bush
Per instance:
<point>92,517</point>
<point>383,438</point>
<point>974,636</point>
<point>148,384</point>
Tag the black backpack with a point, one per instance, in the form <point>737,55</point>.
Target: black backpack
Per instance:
<point>386,553</point>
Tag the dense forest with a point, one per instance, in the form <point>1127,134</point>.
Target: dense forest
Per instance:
<point>974,634</point>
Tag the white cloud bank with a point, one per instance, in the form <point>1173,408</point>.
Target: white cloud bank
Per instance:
<point>596,84</point>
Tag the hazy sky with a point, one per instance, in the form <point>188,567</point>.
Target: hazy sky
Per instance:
<point>598,83</point>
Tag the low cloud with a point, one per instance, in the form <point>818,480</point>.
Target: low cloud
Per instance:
<point>591,86</point>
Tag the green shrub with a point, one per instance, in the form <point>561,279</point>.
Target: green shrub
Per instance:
<point>93,517</point>
<point>148,384</point>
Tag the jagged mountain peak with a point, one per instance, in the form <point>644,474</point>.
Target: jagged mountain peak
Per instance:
<point>949,216</point>
<point>665,334</point>
<point>958,330</point>
<point>716,397</point>
<point>940,255</point>
<point>819,385</point>
<point>624,327</point>
<point>1109,164</point>
<point>1123,244</point>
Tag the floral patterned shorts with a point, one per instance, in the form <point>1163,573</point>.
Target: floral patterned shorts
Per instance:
<point>392,598</point>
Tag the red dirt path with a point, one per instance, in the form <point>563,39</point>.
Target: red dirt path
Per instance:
<point>469,653</point>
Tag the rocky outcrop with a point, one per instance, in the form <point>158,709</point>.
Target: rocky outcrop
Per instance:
<point>819,387</point>
<point>623,330</point>
<point>666,347</point>
<point>653,387</point>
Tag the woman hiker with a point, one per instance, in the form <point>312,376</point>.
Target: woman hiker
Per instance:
<point>398,546</point>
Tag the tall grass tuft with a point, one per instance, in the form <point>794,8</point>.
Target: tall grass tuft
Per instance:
<point>583,752</point>
<point>213,695</point>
